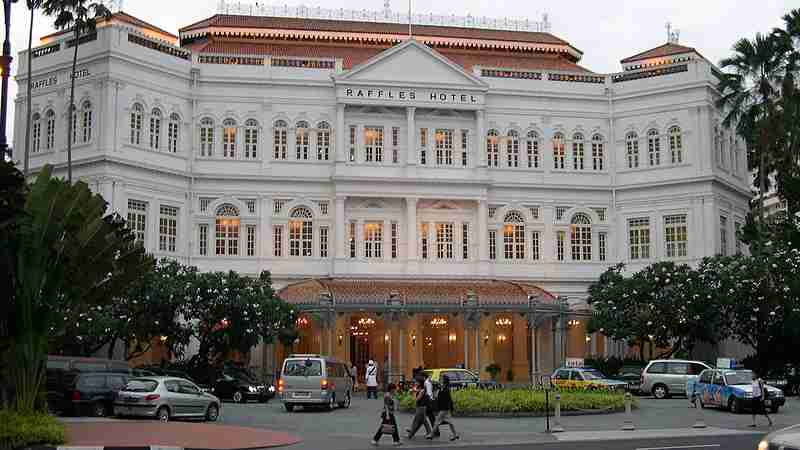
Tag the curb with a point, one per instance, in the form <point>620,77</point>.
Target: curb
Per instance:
<point>149,447</point>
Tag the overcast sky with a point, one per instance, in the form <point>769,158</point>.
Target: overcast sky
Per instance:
<point>605,30</point>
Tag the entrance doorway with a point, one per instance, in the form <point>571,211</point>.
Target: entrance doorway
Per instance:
<point>360,343</point>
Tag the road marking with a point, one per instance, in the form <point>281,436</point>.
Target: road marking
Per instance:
<point>679,447</point>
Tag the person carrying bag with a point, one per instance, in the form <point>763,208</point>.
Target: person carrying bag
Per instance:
<point>388,422</point>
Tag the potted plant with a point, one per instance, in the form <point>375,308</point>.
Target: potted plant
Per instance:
<point>493,369</point>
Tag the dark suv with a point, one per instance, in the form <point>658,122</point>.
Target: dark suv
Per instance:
<point>81,393</point>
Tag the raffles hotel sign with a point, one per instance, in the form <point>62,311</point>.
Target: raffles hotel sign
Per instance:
<point>410,96</point>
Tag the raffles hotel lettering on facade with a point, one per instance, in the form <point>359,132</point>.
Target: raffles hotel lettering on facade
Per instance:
<point>437,200</point>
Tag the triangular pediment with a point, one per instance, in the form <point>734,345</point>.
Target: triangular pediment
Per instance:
<point>412,63</point>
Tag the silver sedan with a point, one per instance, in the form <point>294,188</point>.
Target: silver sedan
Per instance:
<point>165,398</point>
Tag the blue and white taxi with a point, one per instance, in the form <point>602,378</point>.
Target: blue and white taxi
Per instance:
<point>733,390</point>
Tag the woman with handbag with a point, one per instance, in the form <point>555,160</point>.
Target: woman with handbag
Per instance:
<point>388,422</point>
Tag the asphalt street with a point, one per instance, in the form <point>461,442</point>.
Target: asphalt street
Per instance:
<point>737,442</point>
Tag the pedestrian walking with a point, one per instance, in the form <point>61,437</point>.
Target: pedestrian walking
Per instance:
<point>372,380</point>
<point>420,419</point>
<point>354,376</point>
<point>759,395</point>
<point>691,382</point>
<point>430,410</point>
<point>388,421</point>
<point>444,408</point>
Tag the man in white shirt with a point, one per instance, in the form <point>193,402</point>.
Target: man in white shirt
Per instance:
<point>759,395</point>
<point>372,380</point>
<point>429,410</point>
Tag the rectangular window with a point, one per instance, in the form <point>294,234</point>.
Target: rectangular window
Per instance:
<point>353,143</point>
<point>423,144</point>
<point>723,235</point>
<point>465,241</point>
<point>251,240</point>
<point>323,242</point>
<point>533,153</point>
<point>464,147</point>
<point>373,144</point>
<point>675,235</point>
<point>203,239</point>
<point>639,238</point>
<point>534,212</point>
<point>560,211</point>
<point>395,239</point>
<point>423,231</point>
<point>444,240</point>
<point>492,244</point>
<point>352,237</point>
<point>323,142</point>
<point>597,154</point>
<point>737,228</point>
<point>395,144</point>
<point>277,206</point>
<point>601,242</point>
<point>251,206</point>
<point>444,147</point>
<point>577,155</point>
<point>514,241</point>
<point>535,252</point>
<point>172,136</point>
<point>137,219</point>
<point>281,142</point>
<point>301,238</point>
<point>512,150</point>
<point>277,241</point>
<point>560,236</point>
<point>167,228</point>
<point>373,240</point>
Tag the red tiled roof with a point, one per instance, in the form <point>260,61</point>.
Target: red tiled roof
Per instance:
<point>358,291</point>
<point>355,55</point>
<point>123,17</point>
<point>241,21</point>
<point>667,49</point>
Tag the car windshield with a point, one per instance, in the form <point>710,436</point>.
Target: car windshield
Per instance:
<point>141,386</point>
<point>592,375</point>
<point>302,368</point>
<point>739,377</point>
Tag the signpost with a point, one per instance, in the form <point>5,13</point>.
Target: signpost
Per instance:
<point>547,385</point>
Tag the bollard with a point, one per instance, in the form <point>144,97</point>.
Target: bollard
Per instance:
<point>557,428</point>
<point>628,424</point>
<point>699,422</point>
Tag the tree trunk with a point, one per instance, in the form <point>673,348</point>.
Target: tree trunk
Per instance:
<point>28,100</point>
<point>71,107</point>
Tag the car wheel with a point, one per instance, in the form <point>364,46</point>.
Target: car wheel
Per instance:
<point>660,391</point>
<point>238,397</point>
<point>331,403</point>
<point>734,406</point>
<point>289,407</point>
<point>212,414</point>
<point>163,414</point>
<point>99,409</point>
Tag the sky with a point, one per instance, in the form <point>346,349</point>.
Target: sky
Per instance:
<point>606,31</point>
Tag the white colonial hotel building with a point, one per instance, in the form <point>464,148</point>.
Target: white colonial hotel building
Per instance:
<point>434,200</point>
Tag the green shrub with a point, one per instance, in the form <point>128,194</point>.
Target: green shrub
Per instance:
<point>527,401</point>
<point>25,430</point>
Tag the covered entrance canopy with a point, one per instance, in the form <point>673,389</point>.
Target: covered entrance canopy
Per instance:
<point>402,324</point>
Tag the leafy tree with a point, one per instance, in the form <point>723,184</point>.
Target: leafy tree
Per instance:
<point>82,16</point>
<point>67,253</point>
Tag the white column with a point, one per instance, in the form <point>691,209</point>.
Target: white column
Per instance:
<point>340,228</point>
<point>411,146</point>
<point>411,228</point>
<point>480,138</point>
<point>340,135</point>
<point>483,231</point>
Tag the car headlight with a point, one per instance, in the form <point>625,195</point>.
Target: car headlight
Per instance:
<point>272,388</point>
<point>251,388</point>
<point>763,445</point>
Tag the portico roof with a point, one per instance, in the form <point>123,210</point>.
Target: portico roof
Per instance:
<point>369,293</point>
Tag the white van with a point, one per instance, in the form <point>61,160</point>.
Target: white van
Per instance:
<point>314,380</point>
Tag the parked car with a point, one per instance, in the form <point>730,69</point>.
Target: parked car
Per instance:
<point>733,390</point>
<point>314,380</point>
<point>165,398</point>
<point>666,377</point>
<point>81,393</point>
<point>240,386</point>
<point>632,377</point>
<point>786,438</point>
<point>585,376</point>
<point>461,378</point>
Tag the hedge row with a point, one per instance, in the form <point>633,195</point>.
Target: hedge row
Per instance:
<point>25,430</point>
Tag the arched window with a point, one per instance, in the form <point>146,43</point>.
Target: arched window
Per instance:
<point>280,140</point>
<point>137,112</point>
<point>558,151</point>
<point>73,124</point>
<point>155,129</point>
<point>577,151</point>
<point>654,147</point>
<point>676,144</point>
<point>301,140</point>
<point>172,132</point>
<point>86,121</point>
<point>227,230</point>
<point>632,148</point>
<point>36,133</point>
<point>251,139</point>
<point>532,144</point>
<point>301,232</point>
<point>581,237</point>
<point>50,137</point>
<point>514,235</point>
<point>323,141</point>
<point>598,152</point>
<point>206,137</point>
<point>512,149</point>
<point>229,138</point>
<point>492,148</point>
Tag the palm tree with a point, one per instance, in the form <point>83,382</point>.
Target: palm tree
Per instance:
<point>82,16</point>
<point>32,6</point>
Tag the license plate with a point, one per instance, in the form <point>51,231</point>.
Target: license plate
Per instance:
<point>130,399</point>
<point>301,395</point>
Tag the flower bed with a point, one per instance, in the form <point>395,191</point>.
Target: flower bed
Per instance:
<point>28,430</point>
<point>528,402</point>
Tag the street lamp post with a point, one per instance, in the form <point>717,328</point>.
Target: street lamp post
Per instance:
<point>5,67</point>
